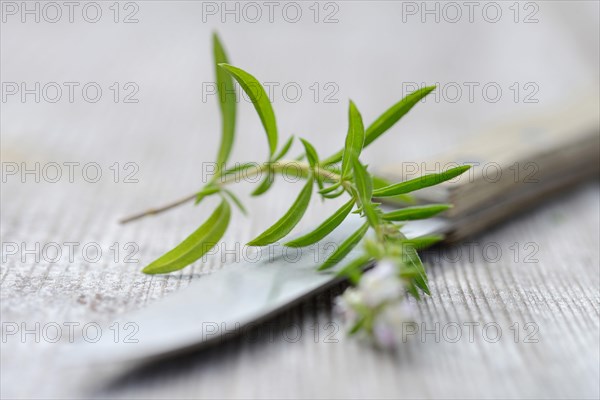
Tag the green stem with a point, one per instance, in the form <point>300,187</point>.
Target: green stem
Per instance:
<point>282,166</point>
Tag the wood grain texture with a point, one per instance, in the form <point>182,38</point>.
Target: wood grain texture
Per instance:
<point>552,282</point>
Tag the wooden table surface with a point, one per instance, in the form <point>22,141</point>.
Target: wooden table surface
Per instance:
<point>528,289</point>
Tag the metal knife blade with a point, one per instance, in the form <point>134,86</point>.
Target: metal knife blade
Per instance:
<point>227,301</point>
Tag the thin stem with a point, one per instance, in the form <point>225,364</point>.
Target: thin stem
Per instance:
<point>153,211</point>
<point>279,166</point>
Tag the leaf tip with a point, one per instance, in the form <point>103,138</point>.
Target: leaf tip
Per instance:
<point>149,270</point>
<point>353,108</point>
<point>323,267</point>
<point>255,243</point>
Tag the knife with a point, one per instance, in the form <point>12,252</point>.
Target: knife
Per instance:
<point>514,166</point>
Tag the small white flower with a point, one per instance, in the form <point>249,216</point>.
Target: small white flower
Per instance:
<point>346,305</point>
<point>379,295</point>
<point>381,284</point>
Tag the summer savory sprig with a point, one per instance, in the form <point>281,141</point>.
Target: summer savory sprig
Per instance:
<point>343,173</point>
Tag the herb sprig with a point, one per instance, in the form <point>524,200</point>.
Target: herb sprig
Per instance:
<point>330,179</point>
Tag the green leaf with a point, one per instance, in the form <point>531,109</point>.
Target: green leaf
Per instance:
<point>334,195</point>
<point>411,259</point>
<point>409,273</point>
<point>402,199</point>
<point>266,184</point>
<point>284,150</point>
<point>345,248</point>
<point>288,221</point>
<point>331,188</point>
<point>416,212</point>
<point>423,242</point>
<point>313,160</point>
<point>207,191</point>
<point>311,153</point>
<point>420,182</point>
<point>353,270</point>
<point>270,178</point>
<point>355,138</point>
<point>413,290</point>
<point>236,201</point>
<point>325,228</point>
<point>227,102</point>
<point>387,119</point>
<point>394,113</point>
<point>195,245</point>
<point>364,186</point>
<point>379,182</point>
<point>261,102</point>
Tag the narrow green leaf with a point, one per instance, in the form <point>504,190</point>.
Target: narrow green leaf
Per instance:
<point>284,150</point>
<point>416,212</point>
<point>207,191</point>
<point>423,242</point>
<point>325,228</point>
<point>353,270</point>
<point>331,188</point>
<point>355,138</point>
<point>394,113</point>
<point>265,185</point>
<point>261,102</point>
<point>402,199</point>
<point>227,101</point>
<point>334,195</point>
<point>411,259</point>
<point>311,153</point>
<point>195,245</point>
<point>319,180</point>
<point>364,186</point>
<point>379,182</point>
<point>288,221</point>
<point>413,290</point>
<point>270,178</point>
<point>236,201</point>
<point>313,160</point>
<point>345,248</point>
<point>420,182</point>
<point>408,273</point>
<point>387,119</point>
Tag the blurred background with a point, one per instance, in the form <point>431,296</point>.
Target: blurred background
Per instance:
<point>123,89</point>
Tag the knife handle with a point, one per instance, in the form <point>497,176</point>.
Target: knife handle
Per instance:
<point>514,166</point>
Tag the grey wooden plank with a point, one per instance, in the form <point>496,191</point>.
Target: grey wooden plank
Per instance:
<point>559,292</point>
